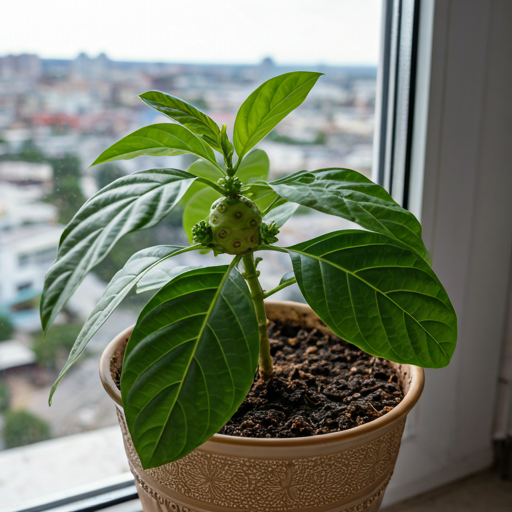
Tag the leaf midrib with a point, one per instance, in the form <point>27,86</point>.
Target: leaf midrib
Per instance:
<point>203,326</point>
<point>76,350</point>
<point>186,110</point>
<point>264,118</point>
<point>129,200</point>
<point>319,258</point>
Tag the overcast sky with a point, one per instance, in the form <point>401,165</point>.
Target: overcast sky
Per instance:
<point>223,31</point>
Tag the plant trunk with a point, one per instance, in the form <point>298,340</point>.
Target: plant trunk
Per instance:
<point>251,276</point>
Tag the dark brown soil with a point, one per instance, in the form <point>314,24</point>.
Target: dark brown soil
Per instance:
<point>321,384</point>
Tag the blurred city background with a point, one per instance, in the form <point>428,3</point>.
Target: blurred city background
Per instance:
<point>56,116</point>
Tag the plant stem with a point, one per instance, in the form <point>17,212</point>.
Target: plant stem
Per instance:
<point>270,206</point>
<point>251,276</point>
<point>280,287</point>
<point>212,185</point>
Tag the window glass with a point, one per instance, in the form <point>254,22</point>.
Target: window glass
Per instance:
<point>69,79</point>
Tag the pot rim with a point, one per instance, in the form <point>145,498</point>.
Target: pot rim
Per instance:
<point>401,410</point>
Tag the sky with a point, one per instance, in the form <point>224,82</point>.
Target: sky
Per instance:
<point>196,31</point>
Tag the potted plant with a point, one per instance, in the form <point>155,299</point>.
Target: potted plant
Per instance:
<point>184,369</point>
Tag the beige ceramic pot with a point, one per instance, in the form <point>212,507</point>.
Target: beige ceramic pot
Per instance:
<point>339,472</point>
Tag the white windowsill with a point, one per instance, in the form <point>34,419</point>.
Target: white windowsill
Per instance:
<point>35,472</point>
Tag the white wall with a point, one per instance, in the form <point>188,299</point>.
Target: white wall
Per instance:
<point>462,188</point>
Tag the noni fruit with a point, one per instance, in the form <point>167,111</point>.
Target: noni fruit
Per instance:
<point>235,223</point>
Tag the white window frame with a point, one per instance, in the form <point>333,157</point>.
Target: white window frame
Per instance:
<point>460,188</point>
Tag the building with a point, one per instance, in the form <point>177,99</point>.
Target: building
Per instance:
<point>26,253</point>
<point>26,174</point>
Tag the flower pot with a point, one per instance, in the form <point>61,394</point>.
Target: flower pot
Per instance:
<point>342,471</point>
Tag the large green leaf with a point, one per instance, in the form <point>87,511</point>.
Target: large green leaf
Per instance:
<point>158,277</point>
<point>185,114</point>
<point>280,214</point>
<point>118,288</point>
<point>199,198</point>
<point>198,208</point>
<point>206,170</point>
<point>349,194</point>
<point>157,140</point>
<point>378,295</point>
<point>189,363</point>
<point>262,195</point>
<point>255,166</point>
<point>268,105</point>
<point>131,203</point>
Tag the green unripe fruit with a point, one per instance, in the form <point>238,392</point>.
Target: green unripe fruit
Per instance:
<point>235,223</point>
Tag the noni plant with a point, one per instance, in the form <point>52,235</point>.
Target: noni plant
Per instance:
<point>199,341</point>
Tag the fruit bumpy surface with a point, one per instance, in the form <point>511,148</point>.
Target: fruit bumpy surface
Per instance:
<point>235,223</point>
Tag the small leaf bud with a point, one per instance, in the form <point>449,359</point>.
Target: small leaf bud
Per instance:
<point>269,233</point>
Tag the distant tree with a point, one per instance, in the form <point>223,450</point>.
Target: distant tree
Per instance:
<point>320,138</point>
<point>106,174</point>
<point>67,196</point>
<point>169,230</point>
<point>123,249</point>
<point>6,328</point>
<point>30,152</point>
<point>56,346</point>
<point>65,166</point>
<point>67,193</point>
<point>5,396</point>
<point>200,103</point>
<point>23,427</point>
<point>285,139</point>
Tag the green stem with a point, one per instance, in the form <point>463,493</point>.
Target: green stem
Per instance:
<point>270,206</point>
<point>280,287</point>
<point>239,161</point>
<point>212,185</point>
<point>251,276</point>
<point>266,247</point>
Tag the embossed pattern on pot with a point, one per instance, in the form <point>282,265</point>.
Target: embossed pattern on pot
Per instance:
<point>274,485</point>
<point>165,505</point>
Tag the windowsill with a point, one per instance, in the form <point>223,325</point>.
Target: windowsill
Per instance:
<point>37,472</point>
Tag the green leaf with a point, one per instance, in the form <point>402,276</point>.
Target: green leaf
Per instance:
<point>198,208</point>
<point>378,295</point>
<point>261,194</point>
<point>349,194</point>
<point>280,214</point>
<point>189,363</point>
<point>227,148</point>
<point>131,203</point>
<point>289,276</point>
<point>185,114</point>
<point>158,277</point>
<point>255,166</point>
<point>268,105</point>
<point>204,169</point>
<point>118,288</point>
<point>157,140</point>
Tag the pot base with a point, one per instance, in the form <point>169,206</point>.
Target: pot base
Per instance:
<point>348,481</point>
<point>153,503</point>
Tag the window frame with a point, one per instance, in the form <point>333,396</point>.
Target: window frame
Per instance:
<point>459,178</point>
<point>95,496</point>
<point>396,96</point>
